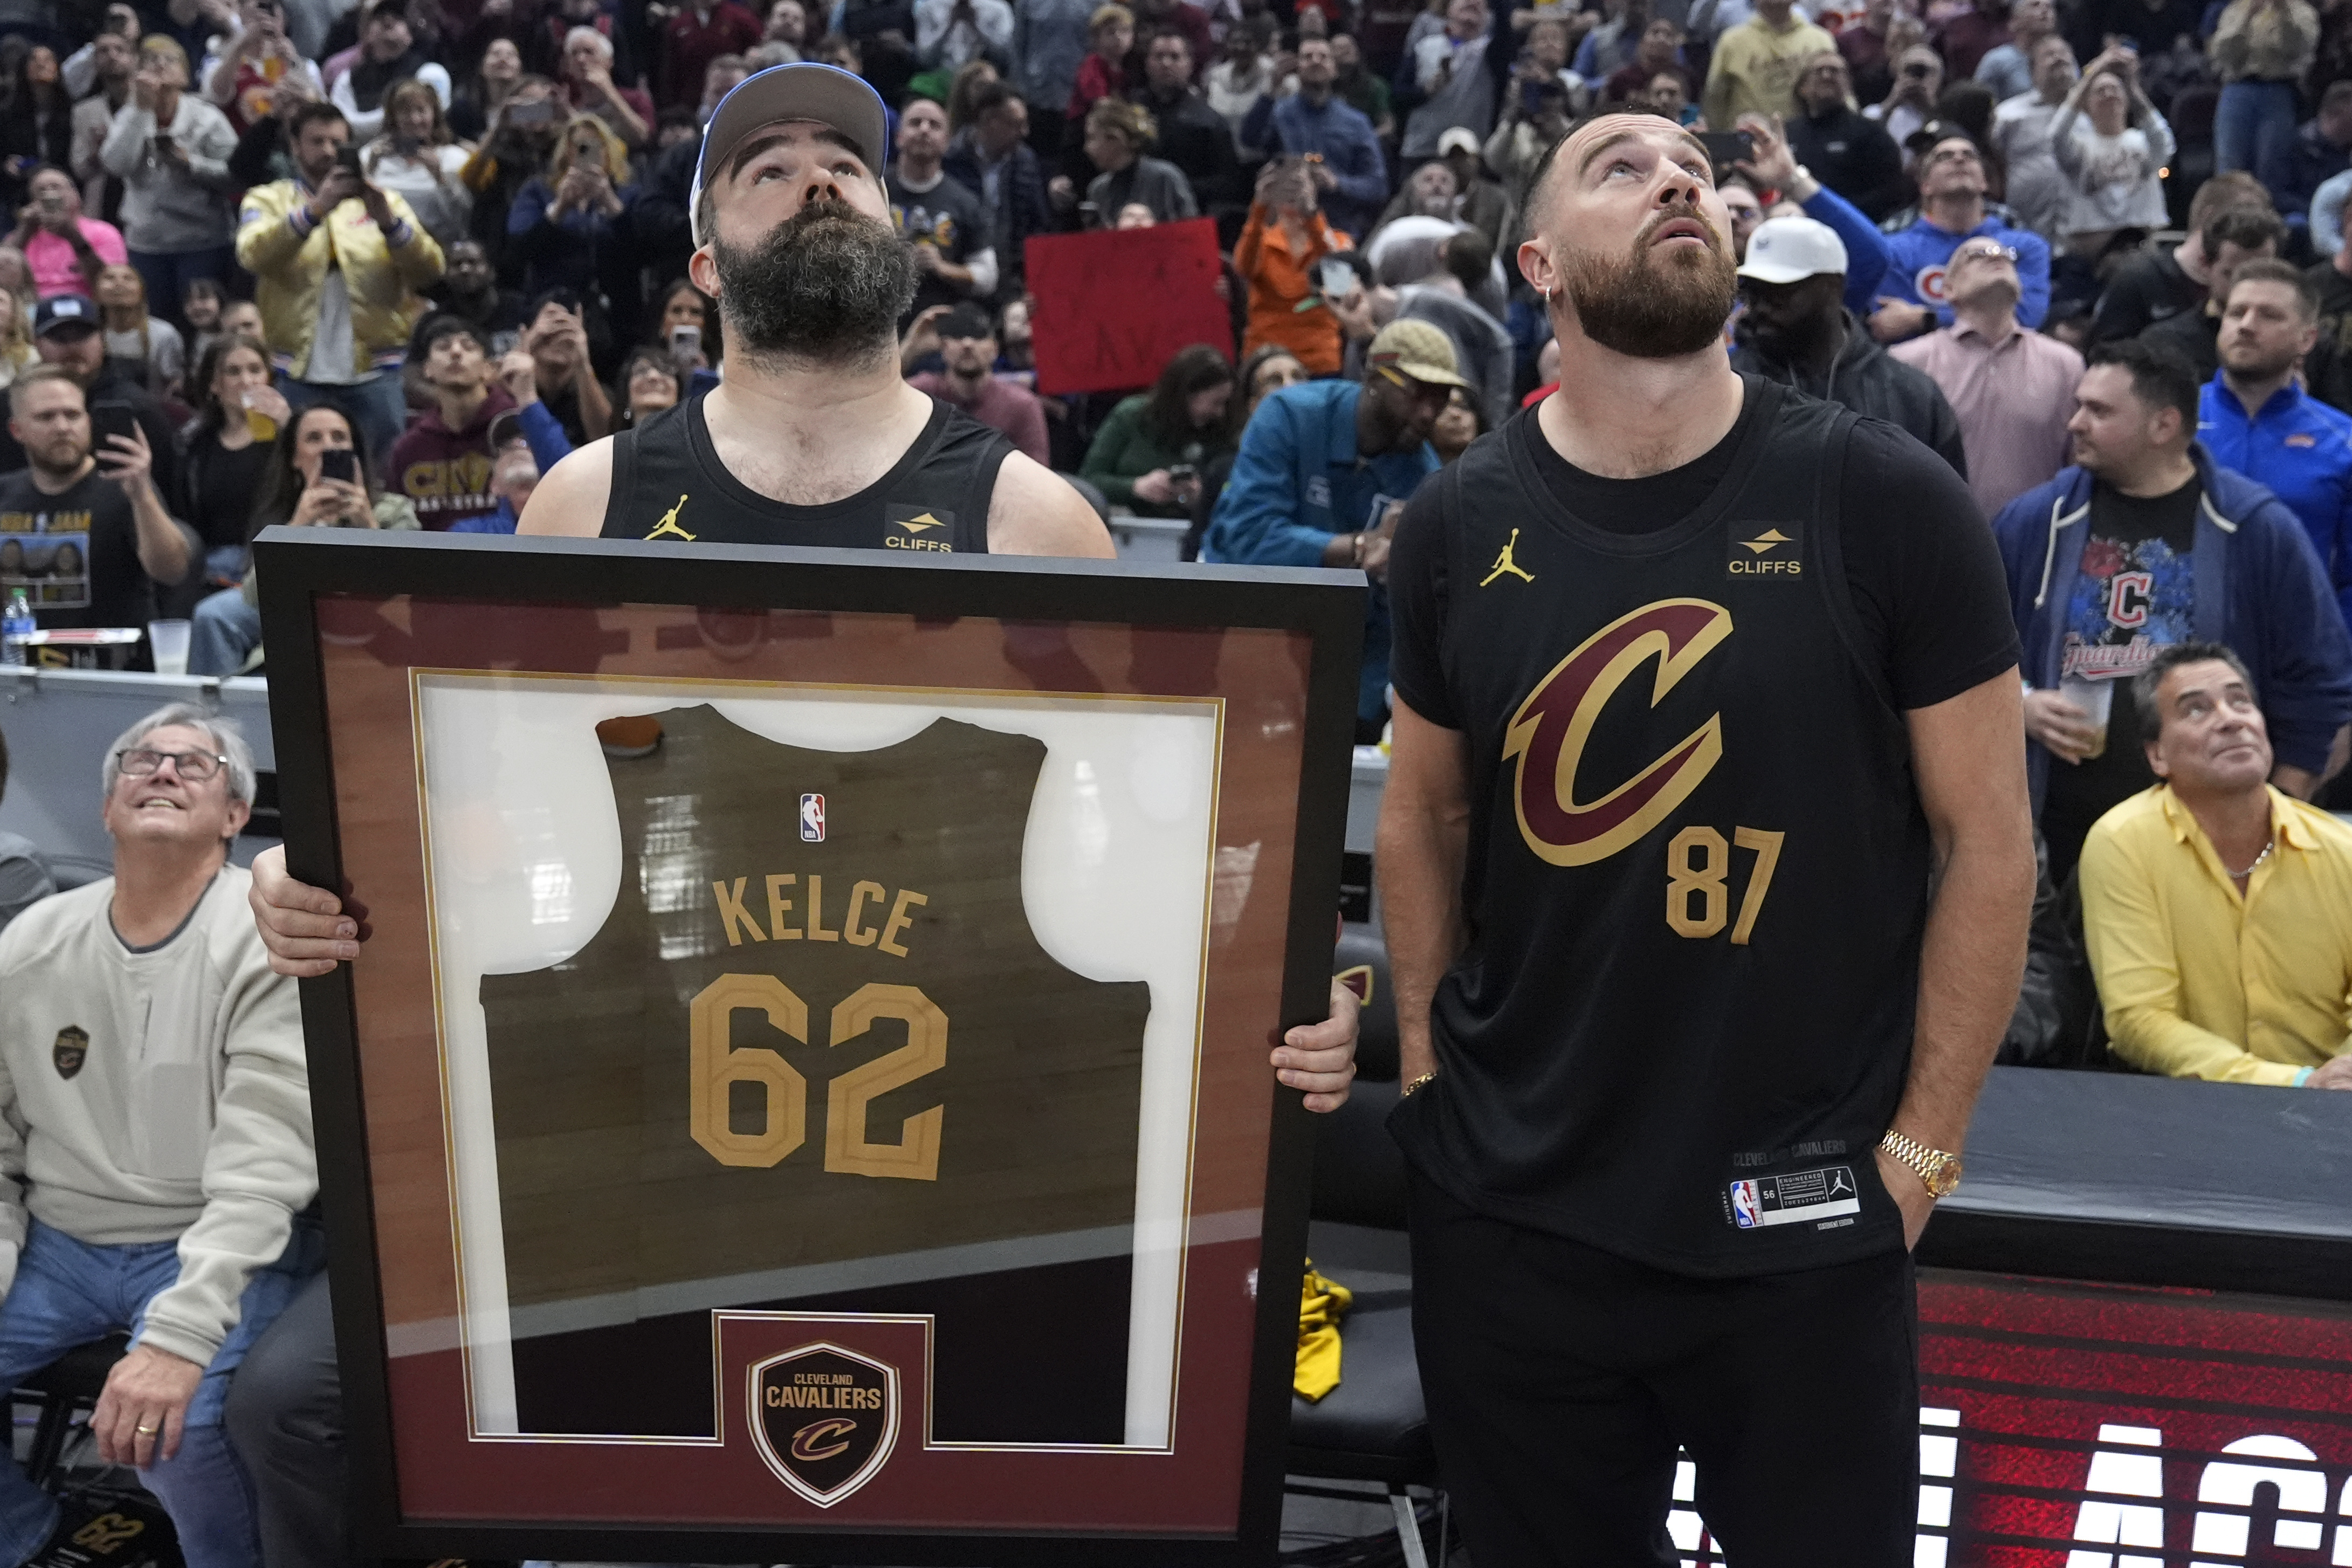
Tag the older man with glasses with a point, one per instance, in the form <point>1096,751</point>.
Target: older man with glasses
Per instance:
<point>155,1144</point>
<point>2012,390</point>
<point>1916,297</point>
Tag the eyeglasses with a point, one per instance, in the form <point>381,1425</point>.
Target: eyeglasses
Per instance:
<point>1990,253</point>
<point>1952,155</point>
<point>195,767</point>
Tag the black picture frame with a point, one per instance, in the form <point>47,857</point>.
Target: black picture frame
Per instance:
<point>299,565</point>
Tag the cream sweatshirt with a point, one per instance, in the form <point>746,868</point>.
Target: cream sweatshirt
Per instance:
<point>152,1096</point>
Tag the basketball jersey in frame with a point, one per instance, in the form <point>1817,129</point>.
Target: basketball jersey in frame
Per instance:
<point>816,1032</point>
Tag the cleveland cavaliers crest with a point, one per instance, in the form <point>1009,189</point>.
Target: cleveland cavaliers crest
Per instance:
<point>71,1050</point>
<point>825,1419</point>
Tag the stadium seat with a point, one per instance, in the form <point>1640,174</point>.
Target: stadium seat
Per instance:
<point>1373,1426</point>
<point>67,1385</point>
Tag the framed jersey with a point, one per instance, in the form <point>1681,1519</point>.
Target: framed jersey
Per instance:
<point>803,1093</point>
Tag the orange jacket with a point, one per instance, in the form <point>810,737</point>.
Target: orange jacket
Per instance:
<point>1285,297</point>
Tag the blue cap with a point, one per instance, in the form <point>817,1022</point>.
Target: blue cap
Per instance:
<point>70,309</point>
<point>803,90</point>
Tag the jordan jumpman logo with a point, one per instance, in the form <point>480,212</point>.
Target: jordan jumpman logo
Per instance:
<point>668,524</point>
<point>1504,563</point>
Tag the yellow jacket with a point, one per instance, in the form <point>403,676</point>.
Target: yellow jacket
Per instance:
<point>2199,981</point>
<point>288,254</point>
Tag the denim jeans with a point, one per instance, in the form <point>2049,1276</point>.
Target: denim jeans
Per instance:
<point>224,630</point>
<point>69,1292</point>
<point>2253,129</point>
<point>377,407</point>
<point>168,273</point>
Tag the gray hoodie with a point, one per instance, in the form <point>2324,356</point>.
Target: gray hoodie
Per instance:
<point>167,208</point>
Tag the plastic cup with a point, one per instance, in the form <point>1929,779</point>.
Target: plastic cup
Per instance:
<point>2097,699</point>
<point>169,642</point>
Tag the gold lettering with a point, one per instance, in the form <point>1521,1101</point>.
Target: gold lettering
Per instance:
<point>861,936</point>
<point>777,905</point>
<point>732,912</point>
<point>816,932</point>
<point>899,920</point>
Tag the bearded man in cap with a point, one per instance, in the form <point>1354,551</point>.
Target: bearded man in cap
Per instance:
<point>1325,467</point>
<point>1796,329</point>
<point>812,438</point>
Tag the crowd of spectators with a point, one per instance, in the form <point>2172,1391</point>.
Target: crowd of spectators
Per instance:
<point>288,261</point>
<point>448,237</point>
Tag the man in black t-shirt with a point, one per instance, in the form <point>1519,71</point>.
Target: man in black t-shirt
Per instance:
<point>65,332</point>
<point>2231,238</point>
<point>955,254</point>
<point>2142,543</point>
<point>93,536</point>
<point>1701,683</point>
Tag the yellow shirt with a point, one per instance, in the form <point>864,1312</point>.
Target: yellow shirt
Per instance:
<point>1754,69</point>
<point>2200,983</point>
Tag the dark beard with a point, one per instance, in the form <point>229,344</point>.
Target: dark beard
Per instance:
<point>1640,305</point>
<point>827,284</point>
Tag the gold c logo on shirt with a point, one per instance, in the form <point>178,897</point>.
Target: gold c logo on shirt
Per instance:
<point>1549,732</point>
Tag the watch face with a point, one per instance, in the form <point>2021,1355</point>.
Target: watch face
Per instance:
<point>1945,1179</point>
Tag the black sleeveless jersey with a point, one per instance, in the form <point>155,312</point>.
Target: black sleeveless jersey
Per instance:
<point>810,1059</point>
<point>669,483</point>
<point>1697,876</point>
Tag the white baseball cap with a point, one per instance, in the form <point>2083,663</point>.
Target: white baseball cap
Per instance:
<point>802,91</point>
<point>1790,250</point>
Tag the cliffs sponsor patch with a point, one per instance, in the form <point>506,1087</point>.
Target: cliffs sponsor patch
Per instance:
<point>825,1419</point>
<point>1800,1197</point>
<point>70,1050</point>
<point>1763,552</point>
<point>917,528</point>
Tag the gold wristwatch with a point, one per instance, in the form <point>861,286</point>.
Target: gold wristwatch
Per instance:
<point>1939,1172</point>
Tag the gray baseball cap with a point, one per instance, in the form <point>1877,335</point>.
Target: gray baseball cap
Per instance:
<point>803,90</point>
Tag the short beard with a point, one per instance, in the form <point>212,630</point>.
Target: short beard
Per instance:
<point>1643,307</point>
<point>826,285</point>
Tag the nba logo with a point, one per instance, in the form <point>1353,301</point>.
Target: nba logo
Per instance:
<point>1743,1205</point>
<point>811,819</point>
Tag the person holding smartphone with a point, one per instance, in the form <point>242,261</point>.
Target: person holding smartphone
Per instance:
<point>340,264</point>
<point>318,478</point>
<point>90,480</point>
<point>171,151</point>
<point>1278,258</point>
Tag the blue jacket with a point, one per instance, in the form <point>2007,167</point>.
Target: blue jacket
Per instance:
<point>2302,450</point>
<point>1865,248</point>
<point>2258,588</point>
<point>1295,482</point>
<point>1917,257</point>
<point>1350,150</point>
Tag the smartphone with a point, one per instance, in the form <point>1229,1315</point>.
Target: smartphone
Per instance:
<point>1182,474</point>
<point>163,142</point>
<point>1725,149</point>
<point>108,420</point>
<point>348,157</point>
<point>1530,97</point>
<point>537,113</point>
<point>339,463</point>
<point>685,341</point>
<point>1336,277</point>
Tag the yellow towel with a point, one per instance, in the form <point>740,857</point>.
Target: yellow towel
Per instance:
<point>1321,1304</point>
